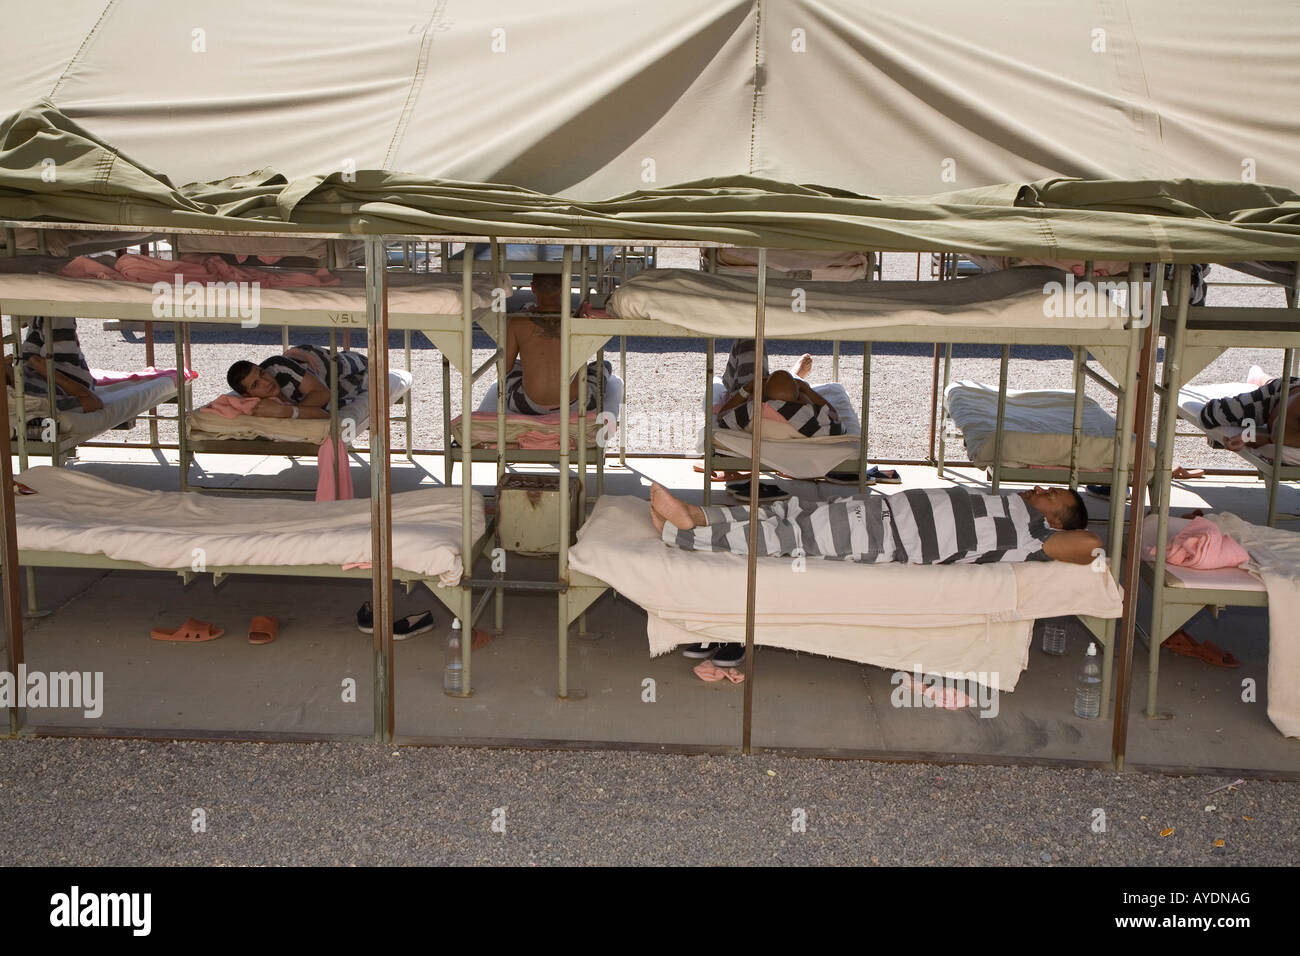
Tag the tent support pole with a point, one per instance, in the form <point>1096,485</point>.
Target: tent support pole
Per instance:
<point>381,493</point>
<point>751,569</point>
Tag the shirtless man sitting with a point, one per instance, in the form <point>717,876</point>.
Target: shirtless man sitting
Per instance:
<point>532,385</point>
<point>296,384</point>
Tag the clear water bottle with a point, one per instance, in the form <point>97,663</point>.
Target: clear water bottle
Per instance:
<point>1087,693</point>
<point>1054,639</point>
<point>453,674</point>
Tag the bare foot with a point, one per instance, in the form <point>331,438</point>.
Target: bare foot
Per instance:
<point>658,520</point>
<point>803,367</point>
<point>677,513</point>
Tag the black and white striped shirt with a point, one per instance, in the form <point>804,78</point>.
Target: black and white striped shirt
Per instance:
<point>955,526</point>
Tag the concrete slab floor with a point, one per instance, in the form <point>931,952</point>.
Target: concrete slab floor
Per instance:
<point>619,694</point>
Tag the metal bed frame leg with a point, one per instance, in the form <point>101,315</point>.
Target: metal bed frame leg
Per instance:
<point>56,455</point>
<point>334,408</point>
<point>406,399</point>
<point>1162,476</point>
<point>467,465</point>
<point>1076,434</point>
<point>622,373</point>
<point>446,420</point>
<point>600,413</point>
<point>566,282</point>
<point>20,394</point>
<point>835,360</point>
<point>943,409</point>
<point>866,418</point>
<point>499,598</point>
<point>1279,441</point>
<point>149,360</point>
<point>1002,415</point>
<point>182,408</point>
<point>709,345</point>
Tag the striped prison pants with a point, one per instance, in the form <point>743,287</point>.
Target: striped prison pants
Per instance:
<point>856,528</point>
<point>811,421</point>
<point>64,351</point>
<point>518,402</point>
<point>1257,406</point>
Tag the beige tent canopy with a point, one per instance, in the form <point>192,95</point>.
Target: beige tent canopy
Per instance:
<point>593,100</point>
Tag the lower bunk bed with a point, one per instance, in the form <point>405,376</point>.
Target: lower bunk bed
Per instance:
<point>952,619</point>
<point>77,520</point>
<point>1034,442</point>
<point>206,431</point>
<point>1270,578</point>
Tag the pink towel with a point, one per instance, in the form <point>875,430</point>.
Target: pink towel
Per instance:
<point>544,440</point>
<point>109,377</point>
<point>1202,545</point>
<point>325,488</point>
<point>232,406</point>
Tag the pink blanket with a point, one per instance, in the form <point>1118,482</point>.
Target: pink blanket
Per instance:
<point>232,406</point>
<point>1202,545</point>
<point>194,267</point>
<point>108,377</point>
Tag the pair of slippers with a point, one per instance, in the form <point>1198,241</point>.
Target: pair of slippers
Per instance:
<point>875,475</point>
<point>261,630</point>
<point>1180,642</point>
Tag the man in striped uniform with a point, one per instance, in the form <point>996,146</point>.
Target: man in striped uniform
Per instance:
<point>786,392</point>
<point>73,384</point>
<point>296,384</point>
<point>918,526</point>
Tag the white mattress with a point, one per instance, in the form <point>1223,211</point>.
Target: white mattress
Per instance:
<point>432,294</point>
<point>80,514</point>
<point>1037,428</point>
<point>1192,398</point>
<point>202,424</point>
<point>827,266</point>
<point>723,306</point>
<point>122,402</point>
<point>967,618</point>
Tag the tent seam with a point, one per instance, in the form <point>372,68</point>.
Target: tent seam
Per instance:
<point>76,57</point>
<point>758,77</point>
<point>417,82</point>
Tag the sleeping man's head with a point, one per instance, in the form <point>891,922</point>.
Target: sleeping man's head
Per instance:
<point>1064,509</point>
<point>251,380</point>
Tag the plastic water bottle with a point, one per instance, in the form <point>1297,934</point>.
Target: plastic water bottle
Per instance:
<point>1054,639</point>
<point>1087,694</point>
<point>453,675</point>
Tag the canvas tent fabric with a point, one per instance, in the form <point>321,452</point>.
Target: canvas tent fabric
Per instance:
<point>572,97</point>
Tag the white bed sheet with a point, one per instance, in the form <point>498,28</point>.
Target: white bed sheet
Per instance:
<point>201,425</point>
<point>78,513</point>
<point>432,294</point>
<point>723,306</point>
<point>1192,398</point>
<point>122,402</point>
<point>958,618</point>
<point>801,263</point>
<point>1037,427</point>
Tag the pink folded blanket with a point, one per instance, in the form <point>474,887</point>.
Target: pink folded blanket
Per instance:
<point>1202,545</point>
<point>108,377</point>
<point>192,268</point>
<point>232,406</point>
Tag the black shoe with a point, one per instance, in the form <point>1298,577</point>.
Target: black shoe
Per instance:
<point>365,619</point>
<point>700,651</point>
<point>766,491</point>
<point>729,655</point>
<point>412,625</point>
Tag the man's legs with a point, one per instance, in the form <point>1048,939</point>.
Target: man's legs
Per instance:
<point>1256,406</point>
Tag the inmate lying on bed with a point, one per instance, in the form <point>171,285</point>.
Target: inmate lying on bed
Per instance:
<point>296,384</point>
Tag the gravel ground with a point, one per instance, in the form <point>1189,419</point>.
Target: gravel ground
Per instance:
<point>665,375</point>
<point>94,803</point>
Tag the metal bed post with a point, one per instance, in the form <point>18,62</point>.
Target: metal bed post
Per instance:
<point>406,399</point>
<point>9,529</point>
<point>708,420</point>
<point>1080,355</point>
<point>467,467</point>
<point>499,597</point>
<point>622,373</point>
<point>334,406</point>
<point>582,448</point>
<point>943,409</point>
<point>182,407</point>
<point>600,412</point>
<point>47,353</point>
<point>1163,475</point>
<point>1002,414</point>
<point>835,360</point>
<point>381,494</point>
<point>866,418</point>
<point>1119,471</point>
<point>20,392</point>
<point>446,421</point>
<point>566,282</point>
<point>1279,440</point>
<point>751,569</point>
<point>149,361</point>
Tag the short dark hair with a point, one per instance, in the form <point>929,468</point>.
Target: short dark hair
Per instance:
<point>237,373</point>
<point>1074,517</point>
<point>546,280</point>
